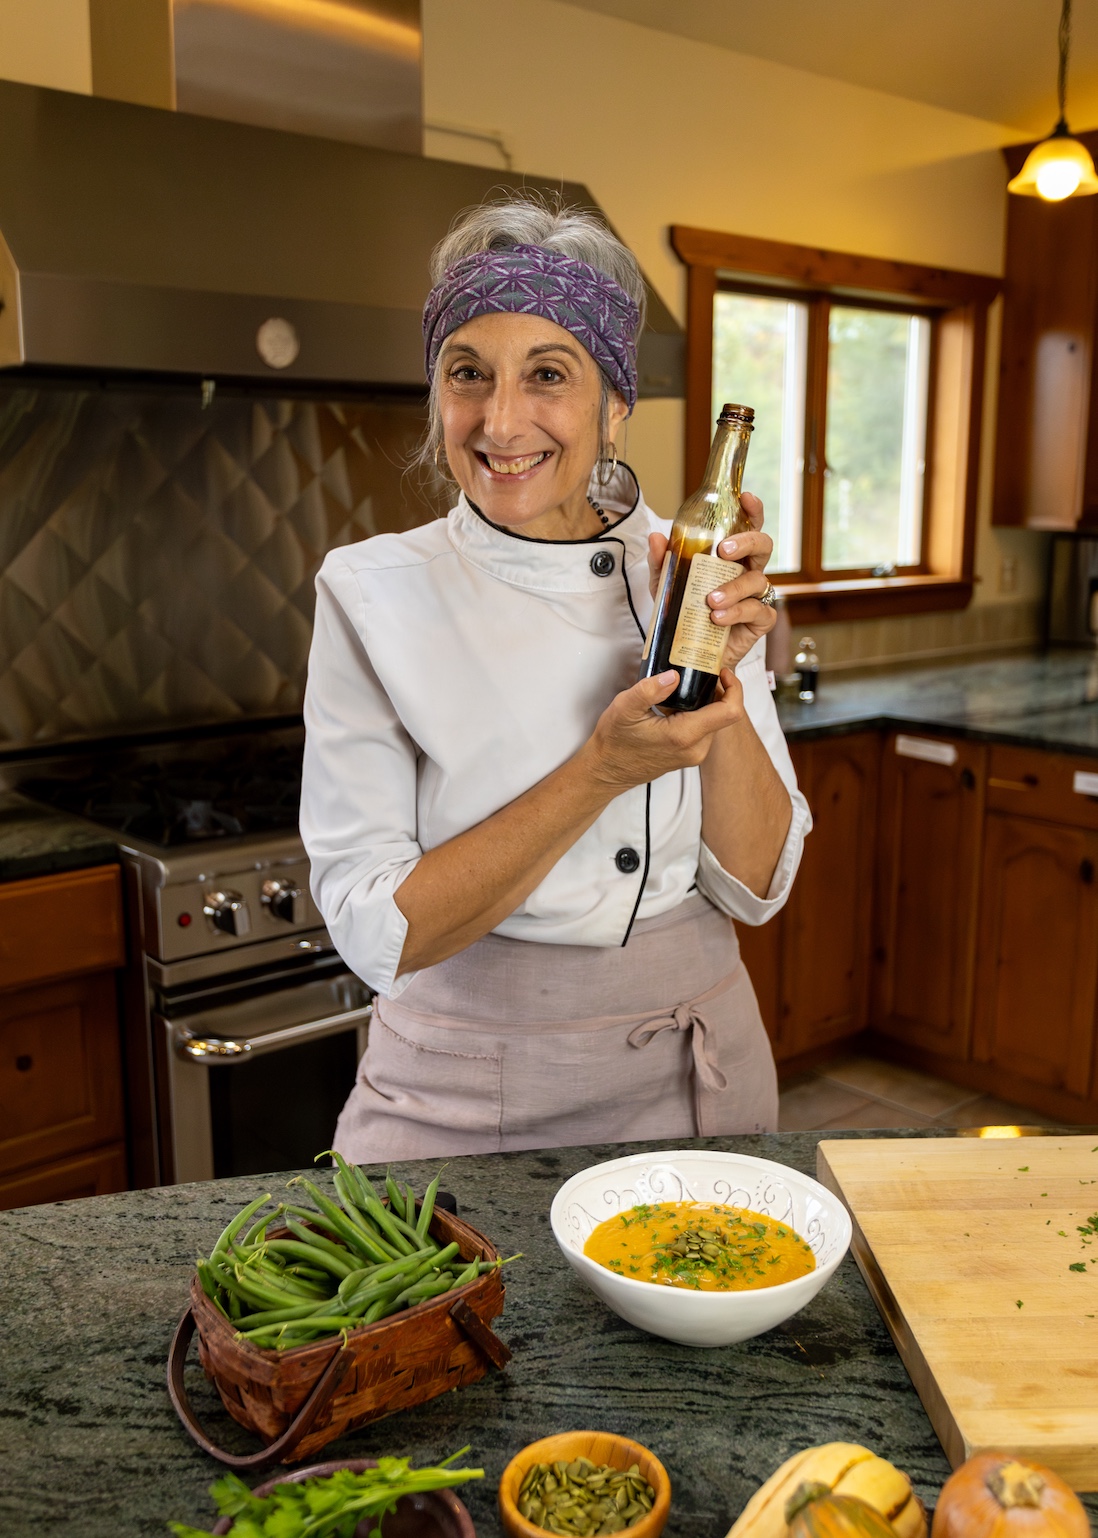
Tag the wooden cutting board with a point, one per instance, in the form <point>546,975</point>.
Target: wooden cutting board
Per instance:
<point>966,1245</point>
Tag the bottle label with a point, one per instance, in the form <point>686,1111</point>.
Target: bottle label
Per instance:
<point>699,643</point>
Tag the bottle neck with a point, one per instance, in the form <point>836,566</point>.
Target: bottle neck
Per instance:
<point>727,457</point>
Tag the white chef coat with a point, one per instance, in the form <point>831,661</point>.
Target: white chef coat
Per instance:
<point>452,668</point>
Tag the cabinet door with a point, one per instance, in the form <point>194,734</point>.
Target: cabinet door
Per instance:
<point>928,872</point>
<point>93,1174</point>
<point>1045,445</point>
<point>60,1070</point>
<point>1037,966</point>
<point>826,934</point>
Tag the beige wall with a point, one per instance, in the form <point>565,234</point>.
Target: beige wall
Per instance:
<point>46,42</point>
<point>665,131</point>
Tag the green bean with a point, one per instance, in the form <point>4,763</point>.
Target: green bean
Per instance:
<point>374,1275</point>
<point>274,1275</point>
<point>307,1252</point>
<point>310,1236</point>
<point>324,1324</point>
<point>262,1292</point>
<point>233,1228</point>
<point>308,1273</point>
<point>258,1230</point>
<point>427,1209</point>
<point>388,1224</point>
<point>363,1300</point>
<point>366,1190</point>
<point>396,1195</point>
<point>264,1317</point>
<point>338,1219</point>
<point>373,1240</point>
<point>376,1311</point>
<point>470,1274</point>
<point>207,1278</point>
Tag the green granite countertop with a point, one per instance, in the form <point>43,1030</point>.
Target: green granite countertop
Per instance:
<point>91,1291</point>
<point>1046,700</point>
<point>35,841</point>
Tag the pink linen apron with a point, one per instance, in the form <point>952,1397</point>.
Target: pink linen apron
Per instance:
<point>513,1045</point>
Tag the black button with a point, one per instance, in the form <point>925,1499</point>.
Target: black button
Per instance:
<point>627,861</point>
<point>602,564</point>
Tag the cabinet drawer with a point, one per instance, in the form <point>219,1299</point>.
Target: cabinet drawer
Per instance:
<point>1056,787</point>
<point>91,1174</point>
<point>57,926</point>
<point>60,1070</point>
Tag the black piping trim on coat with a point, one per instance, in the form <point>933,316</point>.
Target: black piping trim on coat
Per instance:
<point>588,539</point>
<point>610,539</point>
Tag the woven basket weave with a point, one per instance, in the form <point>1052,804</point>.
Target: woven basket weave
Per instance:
<point>300,1399</point>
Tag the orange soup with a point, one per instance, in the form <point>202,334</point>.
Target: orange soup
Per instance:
<point>700,1245</point>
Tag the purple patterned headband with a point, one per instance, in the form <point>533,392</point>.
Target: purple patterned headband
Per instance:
<point>530,280</point>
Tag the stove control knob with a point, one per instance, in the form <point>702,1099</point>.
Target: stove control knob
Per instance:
<point>284,900</point>
<point>228,912</point>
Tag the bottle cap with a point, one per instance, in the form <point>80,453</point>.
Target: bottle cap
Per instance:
<point>745,414</point>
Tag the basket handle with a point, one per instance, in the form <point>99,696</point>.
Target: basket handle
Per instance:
<point>481,1334</point>
<point>299,1427</point>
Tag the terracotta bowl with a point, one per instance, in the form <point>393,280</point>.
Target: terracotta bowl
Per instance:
<point>601,1447</point>
<point>434,1514</point>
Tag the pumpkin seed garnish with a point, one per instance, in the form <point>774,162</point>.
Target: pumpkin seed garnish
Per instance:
<point>584,1499</point>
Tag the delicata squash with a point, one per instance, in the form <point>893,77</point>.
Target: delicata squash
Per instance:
<point>841,1469</point>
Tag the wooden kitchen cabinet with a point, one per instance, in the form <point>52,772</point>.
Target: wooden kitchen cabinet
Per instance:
<point>1037,957</point>
<point>1046,445</point>
<point>61,1103</point>
<point>928,874</point>
<point>810,964</point>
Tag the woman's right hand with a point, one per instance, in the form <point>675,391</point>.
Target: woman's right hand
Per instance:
<point>631,745</point>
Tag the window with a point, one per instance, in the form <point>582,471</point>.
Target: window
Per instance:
<point>867,381</point>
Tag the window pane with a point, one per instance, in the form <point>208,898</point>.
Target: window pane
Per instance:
<point>759,350</point>
<point>877,381</point>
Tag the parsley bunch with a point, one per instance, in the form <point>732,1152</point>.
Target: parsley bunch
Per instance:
<point>328,1507</point>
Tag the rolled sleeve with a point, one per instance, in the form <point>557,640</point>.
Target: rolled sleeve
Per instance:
<point>358,793</point>
<point>723,889</point>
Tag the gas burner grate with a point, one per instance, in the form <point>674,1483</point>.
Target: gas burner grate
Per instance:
<point>174,802</point>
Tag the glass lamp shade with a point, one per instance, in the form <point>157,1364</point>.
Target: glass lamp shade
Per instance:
<point>1057,168</point>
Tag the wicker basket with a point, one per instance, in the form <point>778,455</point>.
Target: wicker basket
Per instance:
<point>300,1399</point>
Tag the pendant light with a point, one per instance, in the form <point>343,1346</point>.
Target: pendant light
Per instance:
<point>1059,167</point>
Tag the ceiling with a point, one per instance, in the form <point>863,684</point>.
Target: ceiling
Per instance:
<point>992,59</point>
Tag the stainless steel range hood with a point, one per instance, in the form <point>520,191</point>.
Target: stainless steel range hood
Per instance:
<point>146,241</point>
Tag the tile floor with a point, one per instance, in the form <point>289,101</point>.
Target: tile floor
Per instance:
<point>852,1091</point>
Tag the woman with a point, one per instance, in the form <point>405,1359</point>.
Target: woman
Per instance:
<point>535,871</point>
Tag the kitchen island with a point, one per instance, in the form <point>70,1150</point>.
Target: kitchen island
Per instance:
<point>92,1290</point>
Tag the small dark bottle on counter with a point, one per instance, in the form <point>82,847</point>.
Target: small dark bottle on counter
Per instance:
<point>681,634</point>
<point>807,665</point>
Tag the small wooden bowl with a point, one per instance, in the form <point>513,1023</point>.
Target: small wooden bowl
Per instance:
<point>601,1447</point>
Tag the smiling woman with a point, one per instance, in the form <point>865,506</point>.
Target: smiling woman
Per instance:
<point>534,870</point>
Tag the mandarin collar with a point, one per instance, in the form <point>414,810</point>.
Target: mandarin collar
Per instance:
<point>549,565</point>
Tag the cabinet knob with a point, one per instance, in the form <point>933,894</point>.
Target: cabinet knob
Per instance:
<point>24,1062</point>
<point>968,779</point>
<point>1086,871</point>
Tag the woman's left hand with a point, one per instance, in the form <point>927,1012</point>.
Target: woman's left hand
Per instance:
<point>736,603</point>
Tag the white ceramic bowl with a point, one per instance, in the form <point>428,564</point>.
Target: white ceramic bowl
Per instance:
<point>734,1180</point>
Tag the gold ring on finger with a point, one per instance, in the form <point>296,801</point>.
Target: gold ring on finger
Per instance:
<point>769,596</point>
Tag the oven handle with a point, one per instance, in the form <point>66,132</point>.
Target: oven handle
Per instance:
<point>218,1052</point>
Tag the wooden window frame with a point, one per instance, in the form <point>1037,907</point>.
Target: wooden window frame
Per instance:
<point>958,303</point>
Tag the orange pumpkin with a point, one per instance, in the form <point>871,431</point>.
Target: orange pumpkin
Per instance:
<point>995,1495</point>
<point>813,1511</point>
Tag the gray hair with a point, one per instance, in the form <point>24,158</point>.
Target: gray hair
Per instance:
<point>527,219</point>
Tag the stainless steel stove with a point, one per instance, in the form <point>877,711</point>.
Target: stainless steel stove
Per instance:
<point>243,1027</point>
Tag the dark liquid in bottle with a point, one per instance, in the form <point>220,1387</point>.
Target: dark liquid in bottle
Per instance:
<point>695,688</point>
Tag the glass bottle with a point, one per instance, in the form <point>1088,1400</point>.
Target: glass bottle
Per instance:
<point>807,666</point>
<point>681,634</point>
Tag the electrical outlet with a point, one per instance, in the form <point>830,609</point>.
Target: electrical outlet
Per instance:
<point>1008,574</point>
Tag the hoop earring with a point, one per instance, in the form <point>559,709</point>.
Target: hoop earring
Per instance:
<point>607,466</point>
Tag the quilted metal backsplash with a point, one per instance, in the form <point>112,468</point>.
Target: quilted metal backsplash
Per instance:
<point>157,559</point>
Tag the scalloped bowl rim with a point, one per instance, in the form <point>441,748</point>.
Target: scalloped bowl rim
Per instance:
<point>718,1297</point>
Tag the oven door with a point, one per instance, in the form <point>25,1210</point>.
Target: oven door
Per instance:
<point>253,1083</point>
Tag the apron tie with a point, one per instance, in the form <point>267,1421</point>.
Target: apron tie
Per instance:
<point>686,1017</point>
